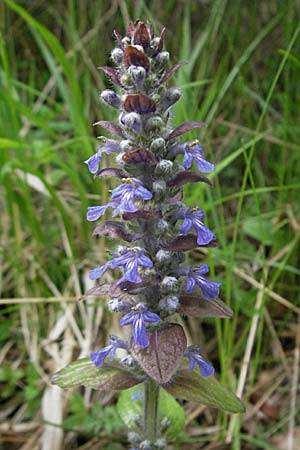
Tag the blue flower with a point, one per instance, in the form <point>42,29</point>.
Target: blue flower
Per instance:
<point>210,289</point>
<point>193,218</point>
<point>137,317</point>
<point>110,146</point>
<point>125,194</point>
<point>99,356</point>
<point>129,261</point>
<point>193,354</point>
<point>137,395</point>
<point>193,151</point>
<point>123,198</point>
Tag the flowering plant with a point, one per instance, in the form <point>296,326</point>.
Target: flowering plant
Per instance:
<point>156,282</point>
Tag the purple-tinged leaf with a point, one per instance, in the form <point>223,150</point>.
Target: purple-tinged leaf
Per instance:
<point>139,156</point>
<point>142,214</point>
<point>184,128</point>
<point>162,357</point>
<point>112,74</point>
<point>110,377</point>
<point>111,127</point>
<point>177,198</point>
<point>119,39</point>
<point>100,289</point>
<point>193,387</point>
<point>134,57</point>
<point>139,103</point>
<point>114,229</point>
<point>171,71</point>
<point>147,281</point>
<point>141,35</point>
<point>111,172</point>
<point>183,243</point>
<point>160,43</point>
<point>195,305</point>
<point>187,176</point>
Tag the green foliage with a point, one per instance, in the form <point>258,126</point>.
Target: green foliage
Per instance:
<point>130,407</point>
<point>32,389</point>
<point>208,391</point>
<point>83,372</point>
<point>9,379</point>
<point>241,79</point>
<point>94,421</point>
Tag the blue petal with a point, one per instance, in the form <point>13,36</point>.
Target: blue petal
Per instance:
<point>151,317</point>
<point>187,160</point>
<point>131,271</point>
<point>95,212</point>
<point>98,272</point>
<point>190,284</point>
<point>144,261</point>
<point>121,260</point>
<point>186,226</point>
<point>205,368</point>
<point>93,162</point>
<point>210,289</point>
<point>128,318</point>
<point>204,235</point>
<point>99,356</point>
<point>203,165</point>
<point>202,269</point>
<point>192,363</point>
<point>142,193</point>
<point>139,332</point>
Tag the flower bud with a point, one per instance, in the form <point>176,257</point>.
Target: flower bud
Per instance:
<point>160,444</point>
<point>154,124</point>
<point>145,445</point>
<point>140,48</point>
<point>126,80</point>
<point>111,98</point>
<point>116,305</point>
<point>171,96</point>
<point>157,145</point>
<point>159,187</point>
<point>119,159</point>
<point>125,145</point>
<point>164,167</point>
<point>138,74</point>
<point>126,40</point>
<point>133,121</point>
<point>162,59</point>
<point>127,361</point>
<point>165,423</point>
<point>162,225</point>
<point>169,285</point>
<point>117,55</point>
<point>121,249</point>
<point>134,438</point>
<point>163,256</point>
<point>169,304</point>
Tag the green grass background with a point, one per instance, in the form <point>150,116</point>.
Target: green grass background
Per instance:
<point>242,80</point>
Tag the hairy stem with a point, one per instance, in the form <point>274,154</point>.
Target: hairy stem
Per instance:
<point>151,410</point>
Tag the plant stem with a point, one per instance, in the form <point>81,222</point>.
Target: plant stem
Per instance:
<point>151,410</point>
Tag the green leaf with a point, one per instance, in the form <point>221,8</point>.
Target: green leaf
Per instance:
<point>110,377</point>
<point>193,387</point>
<point>131,408</point>
<point>259,229</point>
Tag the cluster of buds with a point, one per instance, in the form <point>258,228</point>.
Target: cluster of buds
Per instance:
<point>156,282</point>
